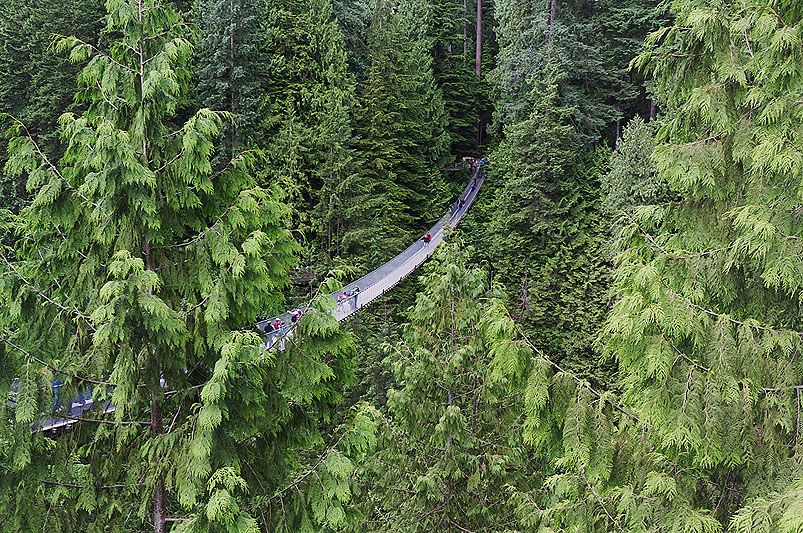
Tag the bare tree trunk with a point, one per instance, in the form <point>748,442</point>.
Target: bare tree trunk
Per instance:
<point>231,73</point>
<point>160,494</point>
<point>478,61</point>
<point>553,5</point>
<point>653,110</point>
<point>465,33</point>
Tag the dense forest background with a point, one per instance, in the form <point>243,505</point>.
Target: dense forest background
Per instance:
<point>610,341</point>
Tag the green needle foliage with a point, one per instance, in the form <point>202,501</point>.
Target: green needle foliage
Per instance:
<point>401,125</point>
<point>307,120</point>
<point>137,273</point>
<point>707,324</point>
<point>38,84</point>
<point>450,450</point>
<point>229,67</point>
<point>632,179</point>
<point>545,224</point>
<point>454,70</point>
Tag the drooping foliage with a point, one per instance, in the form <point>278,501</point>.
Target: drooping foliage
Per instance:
<point>447,451</point>
<point>136,277</point>
<point>706,329</point>
<point>38,84</point>
<point>150,248</point>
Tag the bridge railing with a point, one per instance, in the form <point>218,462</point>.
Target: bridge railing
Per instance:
<point>380,280</point>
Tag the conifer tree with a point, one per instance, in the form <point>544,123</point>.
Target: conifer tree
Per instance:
<point>137,275</point>
<point>545,231</point>
<point>451,443</point>
<point>707,326</point>
<point>401,126</point>
<point>632,180</point>
<point>354,16</point>
<point>307,118</point>
<point>230,68</point>
<point>453,69</point>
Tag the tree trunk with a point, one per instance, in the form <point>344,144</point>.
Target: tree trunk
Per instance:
<point>465,25</point>
<point>478,61</point>
<point>231,73</point>
<point>553,5</point>
<point>160,494</point>
<point>653,110</point>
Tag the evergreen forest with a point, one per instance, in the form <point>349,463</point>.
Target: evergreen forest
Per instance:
<point>611,340</point>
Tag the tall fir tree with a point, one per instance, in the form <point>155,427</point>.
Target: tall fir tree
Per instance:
<point>545,229</point>
<point>230,68</point>
<point>354,17</point>
<point>632,180</point>
<point>453,70</point>
<point>451,447</point>
<point>137,275</point>
<point>307,119</point>
<point>402,135</point>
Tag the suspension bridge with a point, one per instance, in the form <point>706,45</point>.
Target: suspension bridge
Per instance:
<point>350,299</point>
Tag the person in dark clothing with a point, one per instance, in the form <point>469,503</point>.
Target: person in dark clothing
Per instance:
<point>427,239</point>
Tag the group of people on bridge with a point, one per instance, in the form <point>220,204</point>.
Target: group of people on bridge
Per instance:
<point>281,325</point>
<point>348,295</point>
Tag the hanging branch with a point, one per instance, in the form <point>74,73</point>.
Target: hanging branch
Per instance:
<point>75,311</point>
<point>312,470</point>
<point>217,221</point>
<point>74,486</point>
<point>699,307</point>
<point>53,368</point>
<point>581,382</point>
<point>597,497</point>
<point>48,163</point>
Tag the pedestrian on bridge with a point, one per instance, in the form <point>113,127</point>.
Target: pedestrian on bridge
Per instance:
<point>427,239</point>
